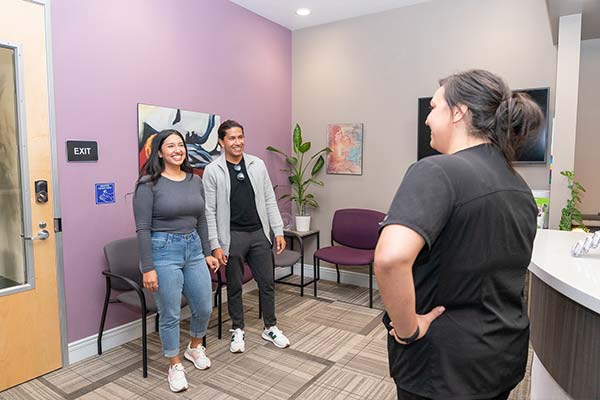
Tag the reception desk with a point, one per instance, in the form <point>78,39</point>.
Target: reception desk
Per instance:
<point>564,309</point>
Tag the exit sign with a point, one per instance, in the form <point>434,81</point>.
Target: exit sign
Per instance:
<point>82,151</point>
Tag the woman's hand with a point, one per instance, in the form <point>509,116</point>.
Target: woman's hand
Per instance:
<point>212,263</point>
<point>423,322</point>
<point>151,281</point>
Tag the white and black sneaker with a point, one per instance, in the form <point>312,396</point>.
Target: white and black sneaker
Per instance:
<point>274,335</point>
<point>237,341</point>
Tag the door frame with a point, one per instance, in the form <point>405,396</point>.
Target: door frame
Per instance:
<point>60,270</point>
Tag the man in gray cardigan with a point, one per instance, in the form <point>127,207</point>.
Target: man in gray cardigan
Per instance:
<point>241,210</point>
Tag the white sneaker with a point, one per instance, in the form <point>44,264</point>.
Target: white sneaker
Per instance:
<point>197,356</point>
<point>237,341</point>
<point>273,334</point>
<point>177,380</point>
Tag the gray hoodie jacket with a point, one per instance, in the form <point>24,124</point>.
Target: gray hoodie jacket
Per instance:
<point>217,189</point>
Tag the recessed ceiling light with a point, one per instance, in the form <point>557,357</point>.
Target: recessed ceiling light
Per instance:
<point>303,12</point>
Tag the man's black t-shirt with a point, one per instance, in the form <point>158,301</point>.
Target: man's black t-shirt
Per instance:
<point>478,219</point>
<point>244,216</point>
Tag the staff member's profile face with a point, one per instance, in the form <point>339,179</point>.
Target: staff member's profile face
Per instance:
<point>440,122</point>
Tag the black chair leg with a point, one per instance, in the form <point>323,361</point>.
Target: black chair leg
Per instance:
<point>204,341</point>
<point>103,318</point>
<point>259,306</point>
<point>219,312</point>
<point>316,273</point>
<point>273,262</point>
<point>370,285</point>
<point>156,322</point>
<point>144,345</point>
<point>337,270</point>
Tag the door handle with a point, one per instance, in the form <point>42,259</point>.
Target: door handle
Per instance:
<point>42,234</point>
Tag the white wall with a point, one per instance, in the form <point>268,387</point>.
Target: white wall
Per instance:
<point>587,148</point>
<point>565,121</point>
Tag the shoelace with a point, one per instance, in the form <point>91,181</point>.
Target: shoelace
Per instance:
<point>236,337</point>
<point>178,367</point>
<point>274,331</point>
<point>200,349</point>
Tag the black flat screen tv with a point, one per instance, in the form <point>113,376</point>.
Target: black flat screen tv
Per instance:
<point>534,151</point>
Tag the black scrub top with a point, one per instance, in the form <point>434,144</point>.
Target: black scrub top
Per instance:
<point>478,219</point>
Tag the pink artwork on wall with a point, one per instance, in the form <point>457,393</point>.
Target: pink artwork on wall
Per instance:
<point>346,144</point>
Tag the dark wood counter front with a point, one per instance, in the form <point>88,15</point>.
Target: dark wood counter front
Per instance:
<point>566,338</point>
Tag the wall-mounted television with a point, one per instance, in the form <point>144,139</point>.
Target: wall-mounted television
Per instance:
<point>534,151</point>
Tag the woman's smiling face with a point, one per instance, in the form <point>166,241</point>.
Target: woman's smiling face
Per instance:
<point>173,150</point>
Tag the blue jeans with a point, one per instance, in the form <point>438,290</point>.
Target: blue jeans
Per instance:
<point>181,268</point>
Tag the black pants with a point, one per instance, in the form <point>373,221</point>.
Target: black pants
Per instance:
<point>254,248</point>
<point>404,395</point>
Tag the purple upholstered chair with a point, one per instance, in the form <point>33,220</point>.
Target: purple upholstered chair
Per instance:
<point>356,232</point>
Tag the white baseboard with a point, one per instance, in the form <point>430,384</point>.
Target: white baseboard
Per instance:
<point>117,336</point>
<point>87,347</point>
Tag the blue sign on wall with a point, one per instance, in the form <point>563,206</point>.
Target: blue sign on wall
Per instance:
<point>105,193</point>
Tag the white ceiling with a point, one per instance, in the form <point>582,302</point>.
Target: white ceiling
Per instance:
<point>283,12</point>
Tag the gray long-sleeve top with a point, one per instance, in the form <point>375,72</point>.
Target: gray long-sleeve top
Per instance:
<point>172,207</point>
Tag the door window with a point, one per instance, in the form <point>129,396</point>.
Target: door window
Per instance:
<point>13,271</point>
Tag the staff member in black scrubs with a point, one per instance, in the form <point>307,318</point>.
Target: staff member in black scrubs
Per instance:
<point>455,247</point>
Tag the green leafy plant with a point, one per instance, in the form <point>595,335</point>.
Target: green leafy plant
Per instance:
<point>298,168</point>
<point>570,213</point>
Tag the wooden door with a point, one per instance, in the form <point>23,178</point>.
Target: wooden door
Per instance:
<point>30,341</point>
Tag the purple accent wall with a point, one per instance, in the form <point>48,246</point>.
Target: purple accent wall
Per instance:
<point>208,56</point>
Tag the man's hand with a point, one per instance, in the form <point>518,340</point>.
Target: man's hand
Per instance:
<point>280,244</point>
<point>219,254</point>
<point>151,281</point>
<point>423,321</point>
<point>212,263</point>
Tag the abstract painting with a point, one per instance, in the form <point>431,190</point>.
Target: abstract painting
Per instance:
<point>198,129</point>
<point>346,144</point>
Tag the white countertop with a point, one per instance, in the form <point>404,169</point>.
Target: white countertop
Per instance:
<point>575,277</point>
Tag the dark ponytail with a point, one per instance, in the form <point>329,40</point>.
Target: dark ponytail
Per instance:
<point>504,118</point>
<point>516,118</point>
<point>154,166</point>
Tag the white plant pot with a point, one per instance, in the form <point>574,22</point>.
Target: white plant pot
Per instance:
<point>303,223</point>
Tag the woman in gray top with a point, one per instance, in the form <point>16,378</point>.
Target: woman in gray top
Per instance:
<point>173,240</point>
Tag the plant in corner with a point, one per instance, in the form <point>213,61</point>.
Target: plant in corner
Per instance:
<point>570,213</point>
<point>299,179</point>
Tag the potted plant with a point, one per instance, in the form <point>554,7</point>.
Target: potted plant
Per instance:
<point>570,213</point>
<point>300,179</point>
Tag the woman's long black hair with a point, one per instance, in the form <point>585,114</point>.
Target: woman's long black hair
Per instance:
<point>155,165</point>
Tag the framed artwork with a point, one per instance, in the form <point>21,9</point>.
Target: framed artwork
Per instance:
<point>198,129</point>
<point>346,144</point>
